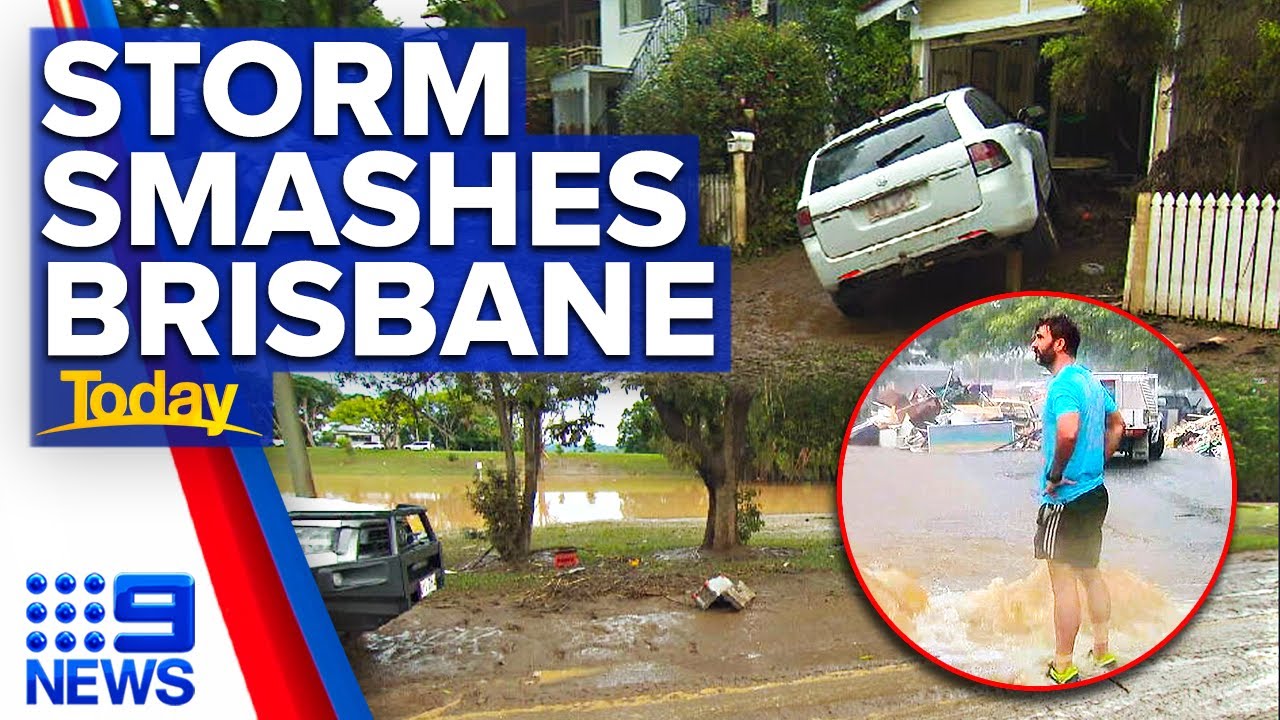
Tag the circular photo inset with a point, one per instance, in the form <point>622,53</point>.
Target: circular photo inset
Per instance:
<point>1036,491</point>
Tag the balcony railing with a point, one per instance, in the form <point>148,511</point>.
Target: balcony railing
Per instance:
<point>578,56</point>
<point>678,19</point>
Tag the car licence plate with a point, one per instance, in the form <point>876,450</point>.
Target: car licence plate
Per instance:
<point>890,205</point>
<point>427,585</point>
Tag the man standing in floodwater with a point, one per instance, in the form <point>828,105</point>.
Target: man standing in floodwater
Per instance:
<point>1082,429</point>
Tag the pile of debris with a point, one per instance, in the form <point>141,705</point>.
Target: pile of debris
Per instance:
<point>1201,435</point>
<point>953,417</point>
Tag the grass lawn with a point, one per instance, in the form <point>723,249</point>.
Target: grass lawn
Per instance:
<point>1256,527</point>
<point>650,554</point>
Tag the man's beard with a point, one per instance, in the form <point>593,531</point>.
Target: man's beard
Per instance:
<point>1045,359</point>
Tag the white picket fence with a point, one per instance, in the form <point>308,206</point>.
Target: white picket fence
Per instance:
<point>1208,258</point>
<point>715,209</point>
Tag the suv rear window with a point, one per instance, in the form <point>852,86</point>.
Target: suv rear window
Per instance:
<point>884,145</point>
<point>988,111</point>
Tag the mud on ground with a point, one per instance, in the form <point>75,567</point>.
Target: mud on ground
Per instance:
<point>809,646</point>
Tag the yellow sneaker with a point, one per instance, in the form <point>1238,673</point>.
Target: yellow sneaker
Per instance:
<point>1062,677</point>
<point>1104,661</point>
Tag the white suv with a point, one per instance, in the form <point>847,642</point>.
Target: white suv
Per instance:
<point>949,176</point>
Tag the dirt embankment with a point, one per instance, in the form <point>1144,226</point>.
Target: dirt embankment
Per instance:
<point>780,310</point>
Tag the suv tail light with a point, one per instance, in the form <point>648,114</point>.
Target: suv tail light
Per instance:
<point>987,156</point>
<point>804,222</point>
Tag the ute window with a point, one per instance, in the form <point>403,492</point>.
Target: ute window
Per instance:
<point>316,540</point>
<point>375,541</point>
<point>884,145</point>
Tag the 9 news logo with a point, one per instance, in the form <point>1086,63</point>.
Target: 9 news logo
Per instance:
<point>65,624</point>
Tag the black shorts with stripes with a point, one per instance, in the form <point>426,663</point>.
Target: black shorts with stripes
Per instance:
<point>1072,533</point>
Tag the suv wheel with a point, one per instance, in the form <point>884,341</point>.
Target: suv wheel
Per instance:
<point>849,303</point>
<point>858,298</point>
<point>1041,242</point>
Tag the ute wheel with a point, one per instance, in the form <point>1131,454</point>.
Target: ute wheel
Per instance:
<point>1156,449</point>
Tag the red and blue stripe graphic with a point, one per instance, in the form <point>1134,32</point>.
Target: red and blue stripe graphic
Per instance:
<point>293,663</point>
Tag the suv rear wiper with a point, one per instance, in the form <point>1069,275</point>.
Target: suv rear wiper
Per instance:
<point>894,153</point>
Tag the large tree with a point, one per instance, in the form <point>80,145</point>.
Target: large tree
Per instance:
<point>455,419</point>
<point>315,398</point>
<point>705,418</point>
<point>868,68</point>
<point>639,430</point>
<point>743,75</point>
<point>531,408</point>
<point>1109,341</point>
<point>400,393</point>
<point>374,414</point>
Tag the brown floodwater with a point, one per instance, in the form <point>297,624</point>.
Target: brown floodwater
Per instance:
<point>944,544</point>
<point>572,499</point>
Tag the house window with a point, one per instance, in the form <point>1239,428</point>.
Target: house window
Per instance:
<point>635,12</point>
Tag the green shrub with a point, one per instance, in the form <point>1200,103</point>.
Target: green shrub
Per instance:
<point>1249,408</point>
<point>743,75</point>
<point>495,496</point>
<point>750,519</point>
<point>344,442</point>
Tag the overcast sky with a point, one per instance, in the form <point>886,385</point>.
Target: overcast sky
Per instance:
<point>408,12</point>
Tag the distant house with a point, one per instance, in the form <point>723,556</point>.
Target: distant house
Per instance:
<point>612,46</point>
<point>355,434</point>
<point>994,45</point>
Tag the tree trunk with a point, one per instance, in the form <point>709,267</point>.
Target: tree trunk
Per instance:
<point>506,429</point>
<point>724,496</point>
<point>709,530</point>
<point>295,447</point>
<point>531,421</point>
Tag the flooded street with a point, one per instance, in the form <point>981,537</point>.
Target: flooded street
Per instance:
<point>945,542</point>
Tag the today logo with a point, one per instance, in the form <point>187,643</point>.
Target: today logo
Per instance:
<point>78,674</point>
<point>99,404</point>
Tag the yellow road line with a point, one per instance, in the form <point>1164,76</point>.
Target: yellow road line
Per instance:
<point>660,698</point>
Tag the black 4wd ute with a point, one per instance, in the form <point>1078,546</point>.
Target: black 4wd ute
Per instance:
<point>370,563</point>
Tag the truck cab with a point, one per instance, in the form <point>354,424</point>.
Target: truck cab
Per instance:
<point>370,563</point>
<point>1135,394</point>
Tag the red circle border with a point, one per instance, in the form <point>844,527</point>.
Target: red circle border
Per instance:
<point>844,534</point>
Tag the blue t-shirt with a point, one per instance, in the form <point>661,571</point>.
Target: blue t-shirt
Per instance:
<point>1074,390</point>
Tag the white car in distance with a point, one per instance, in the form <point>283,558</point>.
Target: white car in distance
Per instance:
<point>950,176</point>
<point>420,445</point>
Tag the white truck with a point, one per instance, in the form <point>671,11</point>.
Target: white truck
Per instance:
<point>1136,394</point>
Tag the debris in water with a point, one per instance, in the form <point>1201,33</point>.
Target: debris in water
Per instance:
<point>724,592</point>
<point>1201,435</point>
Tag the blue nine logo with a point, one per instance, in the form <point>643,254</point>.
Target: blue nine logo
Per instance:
<point>73,678</point>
